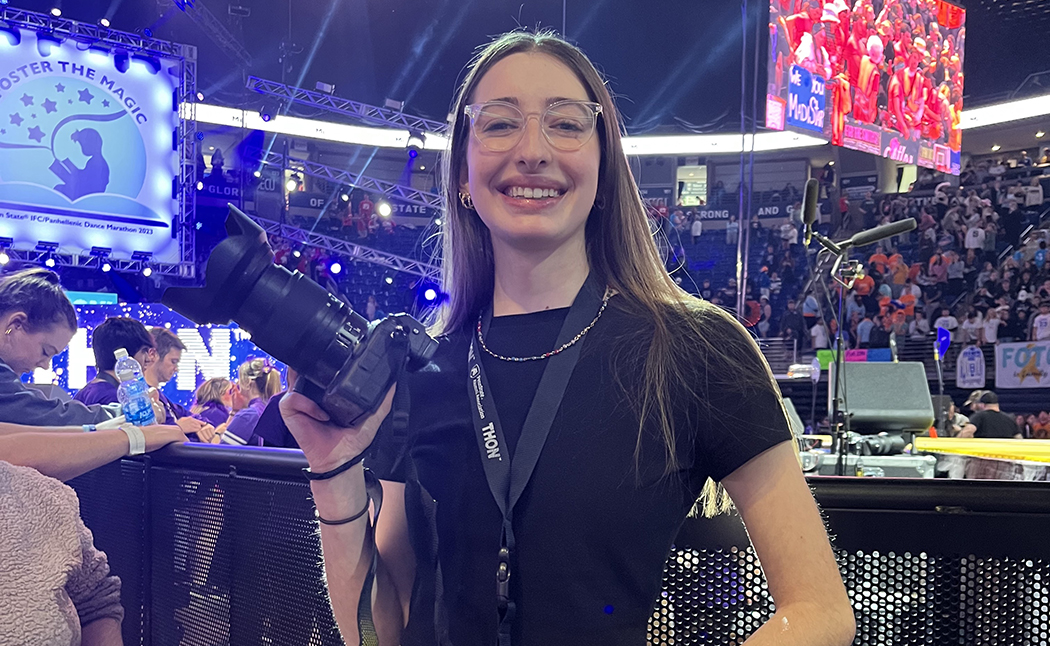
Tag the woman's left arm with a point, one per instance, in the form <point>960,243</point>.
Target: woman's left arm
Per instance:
<point>788,534</point>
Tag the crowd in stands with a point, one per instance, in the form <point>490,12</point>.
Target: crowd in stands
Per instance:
<point>965,267</point>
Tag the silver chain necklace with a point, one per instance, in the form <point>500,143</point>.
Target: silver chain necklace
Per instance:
<point>547,355</point>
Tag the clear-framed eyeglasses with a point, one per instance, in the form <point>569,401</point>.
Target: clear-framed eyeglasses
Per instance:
<point>567,125</point>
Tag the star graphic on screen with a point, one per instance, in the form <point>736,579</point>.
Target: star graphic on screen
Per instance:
<point>60,88</point>
<point>36,134</point>
<point>50,106</point>
<point>16,119</point>
<point>2,131</point>
<point>85,96</point>
<point>105,103</point>
<point>796,78</point>
<point>71,101</point>
<point>26,100</point>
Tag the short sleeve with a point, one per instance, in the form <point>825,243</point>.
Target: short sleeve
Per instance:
<point>743,414</point>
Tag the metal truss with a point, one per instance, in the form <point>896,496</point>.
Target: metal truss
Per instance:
<point>180,270</point>
<point>215,30</point>
<point>88,33</point>
<point>345,107</point>
<point>340,176</point>
<point>187,180</point>
<point>348,249</point>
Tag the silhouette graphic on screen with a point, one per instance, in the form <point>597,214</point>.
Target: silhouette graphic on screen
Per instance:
<point>93,178</point>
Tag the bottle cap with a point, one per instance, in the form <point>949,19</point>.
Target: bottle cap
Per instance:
<point>120,353</point>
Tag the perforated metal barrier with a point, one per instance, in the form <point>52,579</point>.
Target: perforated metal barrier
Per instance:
<point>219,546</point>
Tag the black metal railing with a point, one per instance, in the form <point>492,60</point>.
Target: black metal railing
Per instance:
<point>219,545</point>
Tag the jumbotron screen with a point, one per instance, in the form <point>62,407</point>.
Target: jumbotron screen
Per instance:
<point>879,76</point>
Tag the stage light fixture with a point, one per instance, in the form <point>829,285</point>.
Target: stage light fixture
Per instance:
<point>42,245</point>
<point>56,12</point>
<point>122,61</point>
<point>200,96</point>
<point>290,185</point>
<point>45,43</point>
<point>147,32</point>
<point>996,148</point>
<point>384,209</point>
<point>106,267</point>
<point>389,280</point>
<point>430,294</point>
<point>200,186</point>
<point>437,221</point>
<point>13,36</point>
<point>297,254</point>
<point>4,258</point>
<point>147,271</point>
<point>335,268</point>
<point>104,22</point>
<point>101,252</point>
<point>151,63</point>
<point>344,197</point>
<point>257,173</point>
<point>327,88</point>
<point>50,262</point>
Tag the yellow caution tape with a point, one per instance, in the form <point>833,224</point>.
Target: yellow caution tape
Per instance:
<point>1026,450</point>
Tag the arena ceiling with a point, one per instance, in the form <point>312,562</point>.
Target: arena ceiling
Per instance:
<point>674,64</point>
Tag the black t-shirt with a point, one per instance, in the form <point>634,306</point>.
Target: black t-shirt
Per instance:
<point>592,531</point>
<point>993,424</point>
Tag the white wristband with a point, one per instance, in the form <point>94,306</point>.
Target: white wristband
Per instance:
<point>136,440</point>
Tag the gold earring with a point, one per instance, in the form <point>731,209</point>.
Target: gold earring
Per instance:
<point>8,333</point>
<point>466,200</point>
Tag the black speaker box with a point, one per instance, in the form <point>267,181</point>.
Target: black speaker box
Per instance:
<point>884,396</point>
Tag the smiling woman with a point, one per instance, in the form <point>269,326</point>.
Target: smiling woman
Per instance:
<point>579,404</point>
<point>37,322</point>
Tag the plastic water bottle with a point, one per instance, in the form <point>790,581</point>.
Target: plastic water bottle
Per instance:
<point>133,392</point>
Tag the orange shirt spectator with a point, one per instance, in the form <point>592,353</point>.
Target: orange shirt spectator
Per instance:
<point>909,304</point>
<point>880,262</point>
<point>913,273</point>
<point>900,273</point>
<point>864,286</point>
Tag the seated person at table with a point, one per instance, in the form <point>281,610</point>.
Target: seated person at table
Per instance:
<point>257,382</point>
<point>37,321</point>
<point>111,335</point>
<point>214,399</point>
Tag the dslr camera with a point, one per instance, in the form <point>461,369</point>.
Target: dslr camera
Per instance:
<point>345,364</point>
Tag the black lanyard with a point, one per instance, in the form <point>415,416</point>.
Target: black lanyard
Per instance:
<point>507,478</point>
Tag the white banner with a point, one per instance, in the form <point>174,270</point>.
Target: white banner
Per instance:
<point>86,148</point>
<point>1022,365</point>
<point>970,368</point>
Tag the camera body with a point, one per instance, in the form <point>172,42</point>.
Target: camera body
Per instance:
<point>345,364</point>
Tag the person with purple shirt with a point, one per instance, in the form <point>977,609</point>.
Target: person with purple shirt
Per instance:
<point>214,399</point>
<point>166,354</point>
<point>257,382</point>
<point>109,336</point>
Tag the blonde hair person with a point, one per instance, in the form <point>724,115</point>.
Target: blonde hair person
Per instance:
<point>213,401</point>
<point>662,395</point>
<point>257,382</point>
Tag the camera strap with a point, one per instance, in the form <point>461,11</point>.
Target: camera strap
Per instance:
<point>508,478</point>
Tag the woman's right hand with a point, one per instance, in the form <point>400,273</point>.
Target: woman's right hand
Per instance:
<point>325,444</point>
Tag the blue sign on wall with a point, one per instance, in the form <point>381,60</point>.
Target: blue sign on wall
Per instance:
<point>806,102</point>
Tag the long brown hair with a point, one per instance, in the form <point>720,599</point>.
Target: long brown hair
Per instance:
<point>621,252</point>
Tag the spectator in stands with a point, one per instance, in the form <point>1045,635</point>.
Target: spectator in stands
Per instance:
<point>810,310</point>
<point>792,325</point>
<point>990,327</point>
<point>1010,329</point>
<point>919,326</point>
<point>1024,160</point>
<point>213,401</point>
<point>990,422</point>
<point>697,228</point>
<point>732,231</point>
<point>879,337</point>
<point>971,328</point>
<point>257,382</point>
<point>818,335</point>
<point>1041,323</point>
<point>948,322</point>
<point>37,322</point>
<point>1013,222</point>
<point>372,311</point>
<point>109,336</point>
<point>1045,159</point>
<point>864,329</point>
<point>956,421</point>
